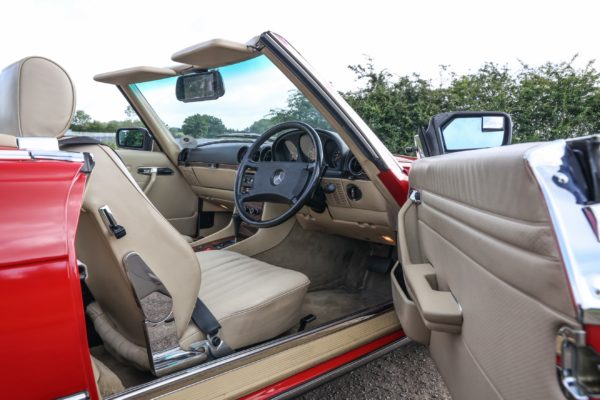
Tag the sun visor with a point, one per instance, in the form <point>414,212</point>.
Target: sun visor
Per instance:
<point>134,75</point>
<point>214,53</point>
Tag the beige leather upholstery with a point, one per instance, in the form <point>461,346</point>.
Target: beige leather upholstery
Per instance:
<point>255,300</point>
<point>37,98</point>
<point>8,141</point>
<point>214,53</point>
<point>107,382</point>
<point>148,233</point>
<point>251,299</point>
<point>484,227</point>
<point>238,290</point>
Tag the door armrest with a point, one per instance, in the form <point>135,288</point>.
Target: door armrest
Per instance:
<point>440,310</point>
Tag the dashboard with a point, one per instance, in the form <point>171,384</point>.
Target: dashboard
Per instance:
<point>354,206</point>
<point>298,146</point>
<point>290,146</point>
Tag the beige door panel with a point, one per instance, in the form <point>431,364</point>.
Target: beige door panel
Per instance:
<point>482,272</point>
<point>170,194</point>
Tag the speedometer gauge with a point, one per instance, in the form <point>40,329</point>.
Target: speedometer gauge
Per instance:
<point>292,150</point>
<point>307,147</point>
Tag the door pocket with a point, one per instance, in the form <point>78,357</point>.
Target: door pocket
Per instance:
<point>406,309</point>
<point>439,309</point>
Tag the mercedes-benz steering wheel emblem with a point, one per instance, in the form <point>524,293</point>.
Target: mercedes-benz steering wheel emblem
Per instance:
<point>278,177</point>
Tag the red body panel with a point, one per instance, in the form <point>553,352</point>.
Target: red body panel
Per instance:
<point>397,185</point>
<point>593,336</point>
<point>42,330</point>
<point>323,368</point>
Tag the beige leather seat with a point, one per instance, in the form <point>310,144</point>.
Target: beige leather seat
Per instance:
<point>252,300</point>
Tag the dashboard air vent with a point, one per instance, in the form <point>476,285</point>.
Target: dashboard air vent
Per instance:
<point>354,167</point>
<point>242,153</point>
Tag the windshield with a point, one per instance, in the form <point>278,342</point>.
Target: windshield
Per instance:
<point>257,97</point>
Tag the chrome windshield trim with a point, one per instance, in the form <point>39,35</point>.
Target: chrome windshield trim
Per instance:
<point>579,248</point>
<point>358,130</point>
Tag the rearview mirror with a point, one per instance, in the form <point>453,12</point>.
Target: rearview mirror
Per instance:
<point>199,87</point>
<point>465,130</point>
<point>134,138</point>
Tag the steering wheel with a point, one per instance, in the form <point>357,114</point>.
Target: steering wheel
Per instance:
<point>284,182</point>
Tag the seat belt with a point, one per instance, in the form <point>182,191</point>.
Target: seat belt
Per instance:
<point>208,324</point>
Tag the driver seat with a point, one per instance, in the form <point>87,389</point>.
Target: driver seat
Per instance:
<point>252,300</point>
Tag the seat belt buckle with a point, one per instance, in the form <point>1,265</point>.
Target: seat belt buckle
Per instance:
<point>111,222</point>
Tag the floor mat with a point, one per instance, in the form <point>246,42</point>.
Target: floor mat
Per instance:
<point>329,305</point>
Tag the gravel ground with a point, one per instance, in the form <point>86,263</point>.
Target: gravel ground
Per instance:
<point>406,373</point>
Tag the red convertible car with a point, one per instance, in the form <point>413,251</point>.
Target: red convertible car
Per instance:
<point>262,259</point>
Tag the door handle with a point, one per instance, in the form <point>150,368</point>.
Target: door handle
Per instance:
<point>158,171</point>
<point>440,310</point>
<point>153,172</point>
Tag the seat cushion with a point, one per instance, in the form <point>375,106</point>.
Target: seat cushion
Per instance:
<point>252,300</point>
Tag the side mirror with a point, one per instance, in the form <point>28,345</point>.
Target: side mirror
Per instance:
<point>134,138</point>
<point>465,130</point>
<point>199,87</point>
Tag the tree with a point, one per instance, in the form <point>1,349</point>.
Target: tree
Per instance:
<point>554,100</point>
<point>298,109</point>
<point>202,125</point>
<point>260,126</point>
<point>130,113</point>
<point>80,120</point>
<point>175,132</point>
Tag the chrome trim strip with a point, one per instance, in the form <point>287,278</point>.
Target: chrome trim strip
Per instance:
<point>57,155</point>
<point>579,248</point>
<point>41,155</point>
<point>14,155</point>
<point>38,143</point>
<point>342,370</point>
<point>77,396</point>
<point>243,357</point>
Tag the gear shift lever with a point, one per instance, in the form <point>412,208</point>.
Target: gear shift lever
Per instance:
<point>237,221</point>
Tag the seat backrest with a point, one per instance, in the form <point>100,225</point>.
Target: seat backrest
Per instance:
<point>37,98</point>
<point>484,227</point>
<point>148,233</point>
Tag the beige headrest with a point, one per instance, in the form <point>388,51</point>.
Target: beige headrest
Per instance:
<point>37,98</point>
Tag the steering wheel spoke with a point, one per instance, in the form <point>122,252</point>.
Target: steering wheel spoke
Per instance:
<point>284,182</point>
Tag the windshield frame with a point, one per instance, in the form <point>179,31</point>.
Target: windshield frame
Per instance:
<point>322,96</point>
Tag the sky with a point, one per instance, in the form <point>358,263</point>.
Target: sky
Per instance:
<point>257,79</point>
<point>89,36</point>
